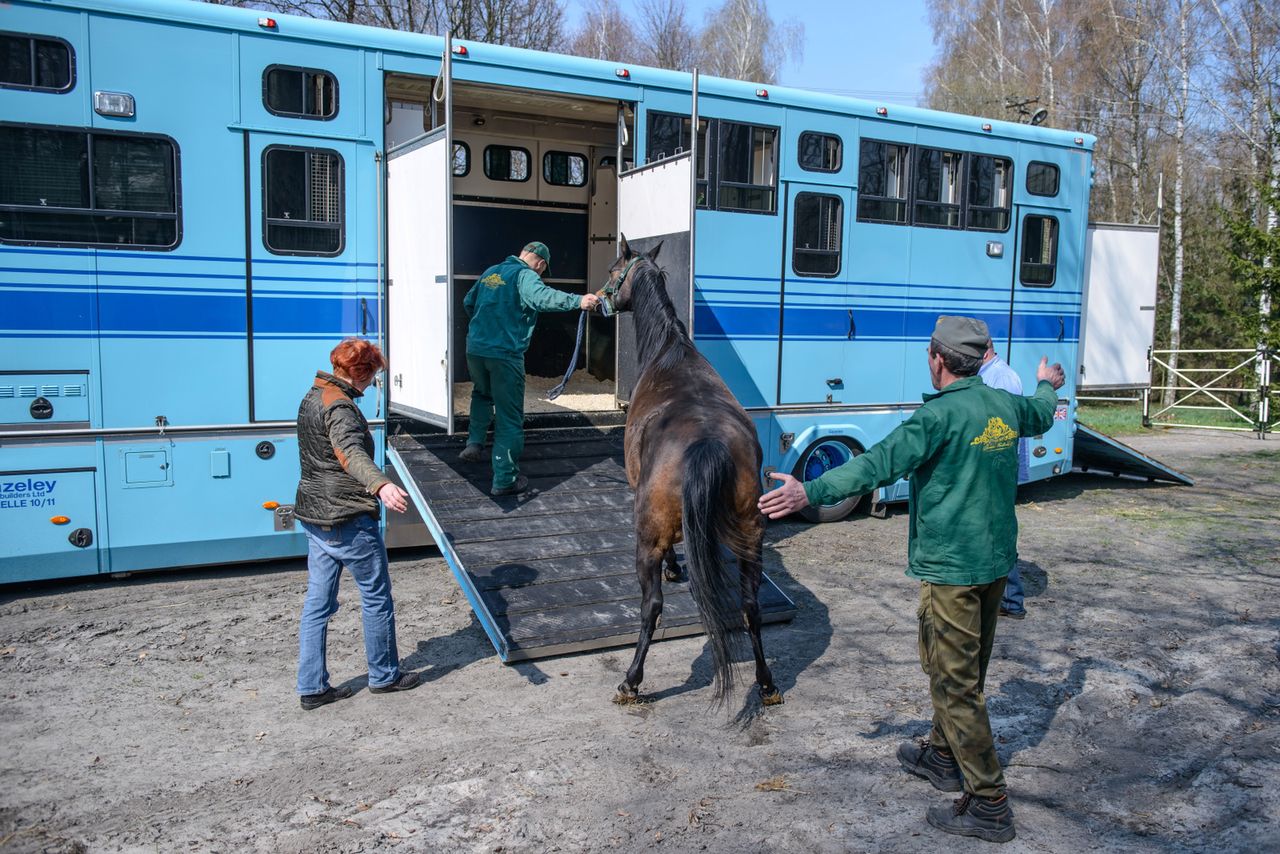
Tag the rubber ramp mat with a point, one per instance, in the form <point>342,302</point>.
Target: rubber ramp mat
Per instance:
<point>551,571</point>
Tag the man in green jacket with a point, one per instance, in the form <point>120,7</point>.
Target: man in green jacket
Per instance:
<point>961,450</point>
<point>503,306</point>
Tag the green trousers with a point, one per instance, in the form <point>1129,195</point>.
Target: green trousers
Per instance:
<point>957,630</point>
<point>497,398</point>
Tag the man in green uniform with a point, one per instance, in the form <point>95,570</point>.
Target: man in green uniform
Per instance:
<point>503,306</point>
<point>961,450</point>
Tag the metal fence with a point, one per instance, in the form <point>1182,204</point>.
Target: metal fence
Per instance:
<point>1236,383</point>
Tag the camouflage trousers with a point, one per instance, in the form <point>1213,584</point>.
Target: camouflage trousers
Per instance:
<point>957,629</point>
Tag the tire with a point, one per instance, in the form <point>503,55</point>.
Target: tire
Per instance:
<point>822,456</point>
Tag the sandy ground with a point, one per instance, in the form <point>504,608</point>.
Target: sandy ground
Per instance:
<point>584,393</point>
<point>1137,708</point>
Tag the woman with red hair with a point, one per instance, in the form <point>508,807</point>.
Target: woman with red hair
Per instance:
<point>338,506</point>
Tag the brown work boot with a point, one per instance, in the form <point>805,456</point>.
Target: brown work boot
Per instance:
<point>925,760</point>
<point>989,819</point>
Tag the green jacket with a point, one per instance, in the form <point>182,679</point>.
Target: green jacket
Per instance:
<point>961,450</point>
<point>503,306</point>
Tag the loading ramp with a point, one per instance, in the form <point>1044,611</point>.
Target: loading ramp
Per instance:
<point>551,571</point>
<point>1095,451</point>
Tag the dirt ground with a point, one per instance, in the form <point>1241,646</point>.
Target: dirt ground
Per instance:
<point>1137,708</point>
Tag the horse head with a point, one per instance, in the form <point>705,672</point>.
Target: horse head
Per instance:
<point>622,275</point>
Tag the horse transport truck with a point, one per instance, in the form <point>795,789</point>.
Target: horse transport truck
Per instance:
<point>198,202</point>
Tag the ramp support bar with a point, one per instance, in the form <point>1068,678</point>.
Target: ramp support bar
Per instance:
<point>446,549</point>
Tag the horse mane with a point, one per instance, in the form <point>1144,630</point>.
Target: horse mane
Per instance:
<point>661,338</point>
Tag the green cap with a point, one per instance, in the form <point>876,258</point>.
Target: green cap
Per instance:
<point>540,249</point>
<point>965,335</point>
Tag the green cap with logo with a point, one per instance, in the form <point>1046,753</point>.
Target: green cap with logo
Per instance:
<point>540,249</point>
<point>967,336</point>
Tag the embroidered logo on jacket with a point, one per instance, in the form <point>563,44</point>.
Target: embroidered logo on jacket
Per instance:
<point>493,280</point>
<point>996,437</point>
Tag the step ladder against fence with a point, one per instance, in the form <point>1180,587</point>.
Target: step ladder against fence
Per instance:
<point>1243,386</point>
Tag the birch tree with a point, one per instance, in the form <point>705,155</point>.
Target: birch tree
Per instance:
<point>741,40</point>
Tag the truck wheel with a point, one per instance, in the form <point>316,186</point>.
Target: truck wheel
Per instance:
<point>822,456</point>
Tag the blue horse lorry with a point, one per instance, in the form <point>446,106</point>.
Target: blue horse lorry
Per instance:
<point>197,202</point>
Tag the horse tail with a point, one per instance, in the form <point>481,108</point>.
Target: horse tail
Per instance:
<point>706,503</point>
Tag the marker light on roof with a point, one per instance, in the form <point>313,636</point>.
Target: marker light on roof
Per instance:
<point>623,73</point>
<point>460,50</point>
<point>762,93</point>
<point>1079,140</point>
<point>987,128</point>
<point>267,23</point>
<point>882,111</point>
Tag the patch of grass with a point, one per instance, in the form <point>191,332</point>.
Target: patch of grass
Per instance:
<point>1114,419</point>
<point>1125,419</point>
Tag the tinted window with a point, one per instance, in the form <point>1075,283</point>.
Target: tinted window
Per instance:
<point>564,169</point>
<point>504,163</point>
<point>746,167</point>
<point>72,186</point>
<point>820,152</point>
<point>882,182</point>
<point>1042,179</point>
<point>938,187</point>
<point>1039,257</point>
<point>461,159</point>
<point>989,192</point>
<point>303,201</point>
<point>31,62</point>
<point>819,224</point>
<point>668,136</point>
<point>304,93</point>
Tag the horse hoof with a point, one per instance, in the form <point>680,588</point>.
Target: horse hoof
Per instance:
<point>672,575</point>
<point>772,697</point>
<point>626,696</point>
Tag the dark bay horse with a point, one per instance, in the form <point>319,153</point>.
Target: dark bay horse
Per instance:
<point>693,459</point>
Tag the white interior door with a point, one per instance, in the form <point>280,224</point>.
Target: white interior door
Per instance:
<point>419,306</point>
<point>655,205</point>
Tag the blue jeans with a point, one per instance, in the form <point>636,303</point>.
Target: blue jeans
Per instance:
<point>357,545</point>
<point>1012,600</point>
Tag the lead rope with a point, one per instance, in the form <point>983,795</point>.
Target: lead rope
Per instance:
<point>573,363</point>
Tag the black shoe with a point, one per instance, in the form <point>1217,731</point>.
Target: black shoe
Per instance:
<point>519,485</point>
<point>472,453</point>
<point>989,819</point>
<point>928,762</point>
<point>333,695</point>
<point>1012,615</point>
<point>406,682</point>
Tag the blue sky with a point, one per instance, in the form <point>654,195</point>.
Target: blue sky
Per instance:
<point>867,48</point>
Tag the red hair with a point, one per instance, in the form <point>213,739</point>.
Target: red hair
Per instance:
<point>357,358</point>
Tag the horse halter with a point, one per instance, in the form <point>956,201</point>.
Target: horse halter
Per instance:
<point>612,286</point>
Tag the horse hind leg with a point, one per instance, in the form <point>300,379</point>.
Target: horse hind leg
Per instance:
<point>648,564</point>
<point>670,566</point>
<point>752,568</point>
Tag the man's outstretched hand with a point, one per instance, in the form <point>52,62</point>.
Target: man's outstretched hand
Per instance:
<point>786,499</point>
<point>1053,373</point>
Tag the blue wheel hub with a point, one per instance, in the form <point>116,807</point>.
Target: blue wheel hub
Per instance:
<point>824,457</point>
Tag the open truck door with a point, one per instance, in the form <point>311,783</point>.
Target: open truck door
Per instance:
<point>1119,306</point>
<point>420,270</point>
<point>656,205</point>
<point>1117,330</point>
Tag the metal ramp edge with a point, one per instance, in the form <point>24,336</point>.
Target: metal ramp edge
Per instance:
<point>1095,451</point>
<point>481,610</point>
<point>553,572</point>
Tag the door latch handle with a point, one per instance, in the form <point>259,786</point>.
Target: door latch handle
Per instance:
<point>836,382</point>
<point>853,329</point>
<point>1062,328</point>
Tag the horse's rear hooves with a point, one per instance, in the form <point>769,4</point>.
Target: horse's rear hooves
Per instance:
<point>627,696</point>
<point>772,698</point>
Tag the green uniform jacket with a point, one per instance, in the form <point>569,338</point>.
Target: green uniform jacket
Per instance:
<point>503,306</point>
<point>961,449</point>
